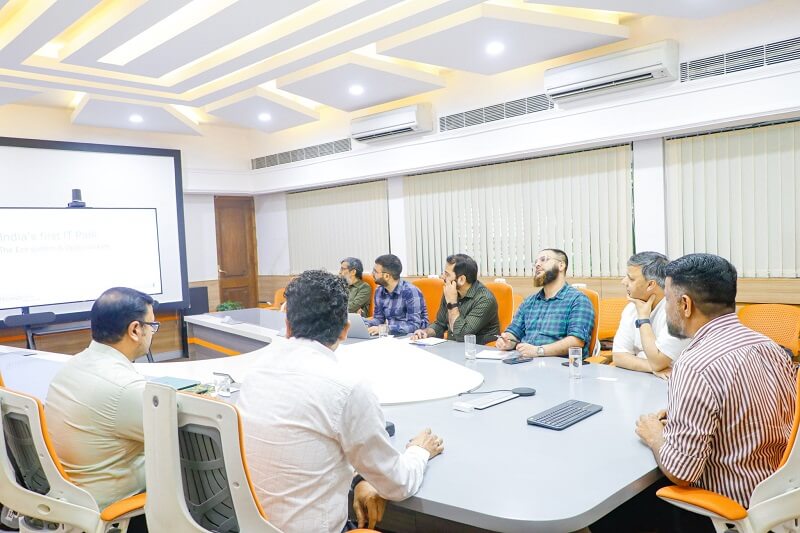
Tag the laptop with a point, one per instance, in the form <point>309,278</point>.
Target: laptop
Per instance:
<point>358,328</point>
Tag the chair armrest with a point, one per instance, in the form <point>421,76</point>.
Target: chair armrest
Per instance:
<point>704,499</point>
<point>597,359</point>
<point>122,507</point>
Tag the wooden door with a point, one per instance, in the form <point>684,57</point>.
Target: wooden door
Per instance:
<point>237,262</point>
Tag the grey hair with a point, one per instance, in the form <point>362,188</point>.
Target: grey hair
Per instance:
<point>354,264</point>
<point>653,264</point>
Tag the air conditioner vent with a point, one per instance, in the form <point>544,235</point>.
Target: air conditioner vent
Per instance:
<point>739,60</point>
<point>501,111</point>
<point>301,154</point>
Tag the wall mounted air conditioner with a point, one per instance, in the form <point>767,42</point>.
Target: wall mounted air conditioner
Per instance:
<point>636,67</point>
<point>395,123</point>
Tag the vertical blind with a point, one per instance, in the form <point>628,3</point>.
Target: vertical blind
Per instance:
<point>736,194</point>
<point>326,225</point>
<point>503,214</point>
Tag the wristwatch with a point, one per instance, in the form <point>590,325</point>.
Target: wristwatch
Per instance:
<point>642,321</point>
<point>452,305</point>
<point>540,351</point>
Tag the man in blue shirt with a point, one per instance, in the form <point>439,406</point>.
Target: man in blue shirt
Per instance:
<point>553,320</point>
<point>397,302</point>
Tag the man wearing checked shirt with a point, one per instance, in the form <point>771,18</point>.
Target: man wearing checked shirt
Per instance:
<point>555,319</point>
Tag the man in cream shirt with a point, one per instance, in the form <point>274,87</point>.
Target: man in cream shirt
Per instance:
<point>94,404</point>
<point>308,423</point>
<point>642,341</point>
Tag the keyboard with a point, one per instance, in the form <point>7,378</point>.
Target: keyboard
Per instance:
<point>564,414</point>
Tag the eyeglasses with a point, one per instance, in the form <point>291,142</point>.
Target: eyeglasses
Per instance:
<point>153,325</point>
<point>545,259</point>
<point>376,272</point>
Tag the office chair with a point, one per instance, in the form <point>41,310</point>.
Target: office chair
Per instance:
<point>432,290</point>
<point>505,302</point>
<point>775,501</point>
<point>779,322</point>
<point>33,481</point>
<point>369,280</point>
<point>595,299</point>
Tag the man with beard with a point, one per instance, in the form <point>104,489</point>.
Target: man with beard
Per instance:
<point>358,290</point>
<point>642,341</point>
<point>553,320</point>
<point>397,302</point>
<point>731,396</point>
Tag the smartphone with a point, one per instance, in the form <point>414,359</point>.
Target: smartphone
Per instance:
<point>516,359</point>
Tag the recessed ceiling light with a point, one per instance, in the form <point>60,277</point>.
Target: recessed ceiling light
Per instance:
<point>494,48</point>
<point>356,90</point>
<point>264,117</point>
<point>135,118</point>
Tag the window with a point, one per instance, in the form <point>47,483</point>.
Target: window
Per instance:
<point>503,214</point>
<point>326,225</point>
<point>736,194</point>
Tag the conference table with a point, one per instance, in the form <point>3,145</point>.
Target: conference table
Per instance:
<point>497,472</point>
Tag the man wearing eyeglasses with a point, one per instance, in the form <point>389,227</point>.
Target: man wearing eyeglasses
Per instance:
<point>553,320</point>
<point>358,290</point>
<point>94,404</point>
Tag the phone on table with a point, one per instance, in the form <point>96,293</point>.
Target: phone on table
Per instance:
<point>517,358</point>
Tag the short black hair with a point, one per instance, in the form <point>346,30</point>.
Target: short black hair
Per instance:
<point>316,306</point>
<point>464,265</point>
<point>708,279</point>
<point>561,255</point>
<point>653,265</point>
<point>354,264</point>
<point>114,310</point>
<point>391,264</point>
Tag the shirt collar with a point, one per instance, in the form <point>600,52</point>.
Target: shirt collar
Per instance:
<point>721,322</point>
<point>558,296</point>
<point>314,345</point>
<point>109,351</point>
<point>472,290</point>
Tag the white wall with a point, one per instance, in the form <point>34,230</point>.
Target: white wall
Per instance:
<point>201,242</point>
<point>272,232</point>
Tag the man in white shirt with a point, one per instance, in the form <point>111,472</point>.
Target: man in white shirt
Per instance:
<point>94,403</point>
<point>642,341</point>
<point>308,423</point>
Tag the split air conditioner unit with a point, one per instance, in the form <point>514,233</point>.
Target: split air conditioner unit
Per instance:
<point>636,67</point>
<point>407,120</point>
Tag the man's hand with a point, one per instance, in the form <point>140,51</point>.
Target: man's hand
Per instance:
<point>505,342</point>
<point>428,441</point>
<point>373,330</point>
<point>526,350</point>
<point>450,292</point>
<point>663,374</point>
<point>643,307</point>
<point>368,505</point>
<point>650,429</point>
<point>419,334</point>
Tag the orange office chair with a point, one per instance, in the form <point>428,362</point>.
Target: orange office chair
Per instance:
<point>33,481</point>
<point>595,299</point>
<point>610,315</point>
<point>518,299</point>
<point>774,501</point>
<point>779,322</point>
<point>278,300</point>
<point>371,282</point>
<point>432,290</point>
<point>505,302</point>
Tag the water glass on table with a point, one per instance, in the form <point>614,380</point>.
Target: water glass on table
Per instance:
<point>222,385</point>
<point>383,330</point>
<point>575,362</point>
<point>470,347</point>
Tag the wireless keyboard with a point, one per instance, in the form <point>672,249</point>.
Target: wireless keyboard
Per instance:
<point>564,414</point>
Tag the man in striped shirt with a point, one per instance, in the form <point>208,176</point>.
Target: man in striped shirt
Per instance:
<point>731,396</point>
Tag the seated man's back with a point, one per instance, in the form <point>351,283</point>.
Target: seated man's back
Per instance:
<point>94,403</point>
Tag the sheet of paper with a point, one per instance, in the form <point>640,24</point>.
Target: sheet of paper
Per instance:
<point>492,354</point>
<point>430,341</point>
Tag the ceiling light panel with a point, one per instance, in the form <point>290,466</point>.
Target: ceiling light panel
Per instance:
<point>528,37</point>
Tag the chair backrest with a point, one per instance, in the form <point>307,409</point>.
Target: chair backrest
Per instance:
<point>196,471</point>
<point>610,316</point>
<point>779,322</point>
<point>518,299</point>
<point>784,478</point>
<point>505,302</point>
<point>32,480</point>
<point>595,299</point>
<point>369,280</point>
<point>432,290</point>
